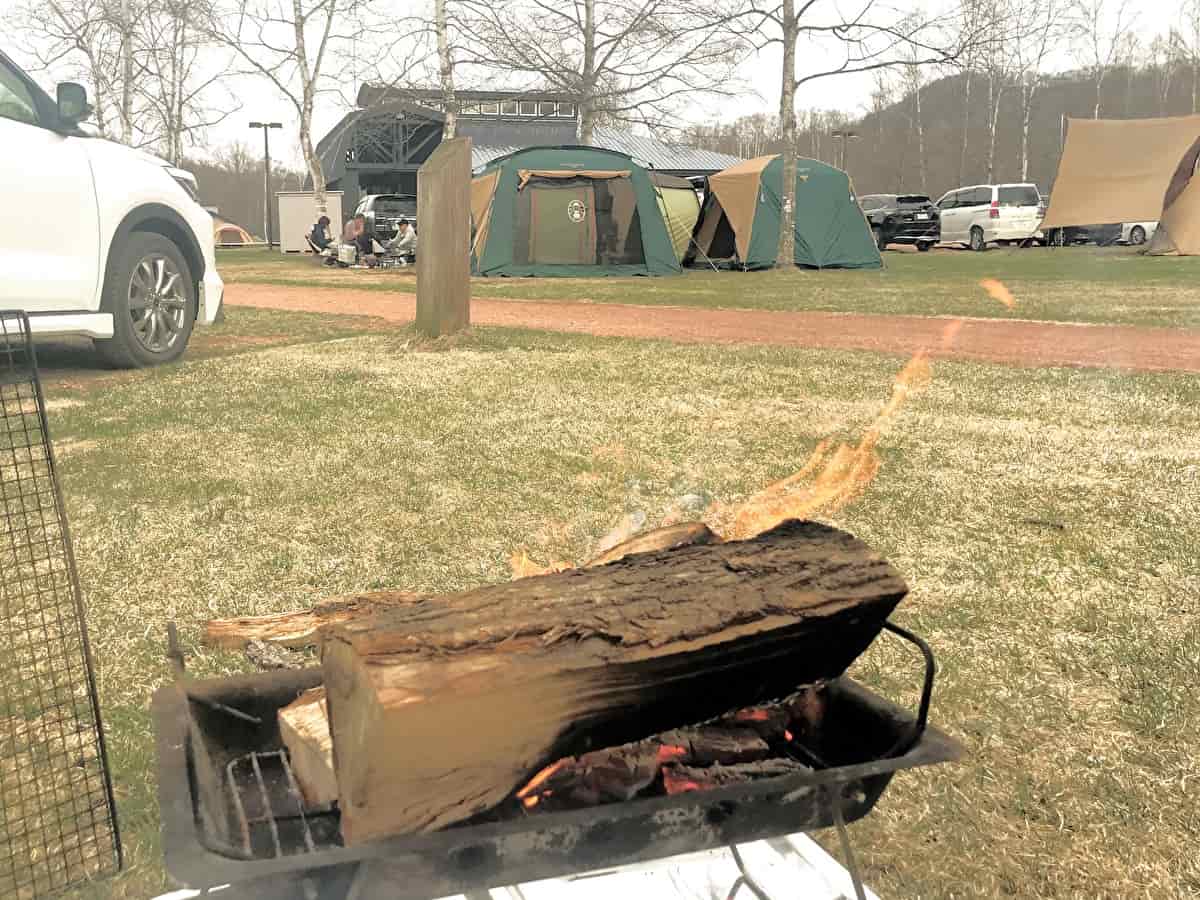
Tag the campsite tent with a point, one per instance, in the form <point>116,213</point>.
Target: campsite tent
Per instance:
<point>568,211</point>
<point>680,208</point>
<point>229,234</point>
<point>743,209</point>
<point>1135,170</point>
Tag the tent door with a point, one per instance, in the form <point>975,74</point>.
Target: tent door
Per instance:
<point>562,227</point>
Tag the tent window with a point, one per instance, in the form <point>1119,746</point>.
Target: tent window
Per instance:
<point>577,221</point>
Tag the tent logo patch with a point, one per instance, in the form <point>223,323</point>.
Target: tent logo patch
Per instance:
<point>576,211</point>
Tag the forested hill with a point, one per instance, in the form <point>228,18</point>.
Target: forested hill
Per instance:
<point>884,158</point>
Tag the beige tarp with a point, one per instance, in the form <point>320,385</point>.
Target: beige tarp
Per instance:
<point>1179,226</point>
<point>736,188</point>
<point>1118,170</point>
<point>483,189</point>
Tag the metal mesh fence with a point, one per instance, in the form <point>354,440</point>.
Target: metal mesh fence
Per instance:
<point>57,819</point>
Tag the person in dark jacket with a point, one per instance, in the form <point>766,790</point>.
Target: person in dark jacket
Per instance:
<point>320,234</point>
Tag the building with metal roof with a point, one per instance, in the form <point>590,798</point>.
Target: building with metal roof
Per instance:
<point>378,148</point>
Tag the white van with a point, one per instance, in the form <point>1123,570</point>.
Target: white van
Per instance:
<point>983,213</point>
<point>98,239</point>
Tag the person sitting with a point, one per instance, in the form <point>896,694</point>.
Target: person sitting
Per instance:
<point>320,234</point>
<point>404,244</point>
<point>355,235</point>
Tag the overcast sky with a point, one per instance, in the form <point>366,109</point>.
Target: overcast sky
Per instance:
<point>760,74</point>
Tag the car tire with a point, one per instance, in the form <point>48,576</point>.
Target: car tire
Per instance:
<point>924,246</point>
<point>1137,235</point>
<point>880,240</point>
<point>151,295</point>
<point>978,244</point>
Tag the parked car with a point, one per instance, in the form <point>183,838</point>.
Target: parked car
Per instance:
<point>98,239</point>
<point>1137,233</point>
<point>901,219</point>
<point>1100,235</point>
<point>987,213</point>
<point>383,213</point>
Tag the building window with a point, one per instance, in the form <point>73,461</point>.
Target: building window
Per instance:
<point>528,108</point>
<point>489,109</point>
<point>508,108</point>
<point>547,109</point>
<point>471,109</point>
<point>566,110</point>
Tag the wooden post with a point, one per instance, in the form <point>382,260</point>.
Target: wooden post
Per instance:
<point>444,249</point>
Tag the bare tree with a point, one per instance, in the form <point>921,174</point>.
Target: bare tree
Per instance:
<point>445,68</point>
<point>298,46</point>
<point>1164,59</point>
<point>1099,28</point>
<point>968,24</point>
<point>625,61</point>
<point>861,37</point>
<point>1041,27</point>
<point>914,80</point>
<point>181,78</point>
<point>1188,36</point>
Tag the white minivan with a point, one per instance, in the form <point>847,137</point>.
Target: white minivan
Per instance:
<point>98,239</point>
<point>983,213</point>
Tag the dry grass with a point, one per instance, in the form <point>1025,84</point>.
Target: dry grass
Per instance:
<point>1046,519</point>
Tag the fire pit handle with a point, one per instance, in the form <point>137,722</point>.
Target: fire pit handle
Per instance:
<point>910,740</point>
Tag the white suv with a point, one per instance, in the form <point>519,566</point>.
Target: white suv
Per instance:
<point>983,213</point>
<point>98,239</point>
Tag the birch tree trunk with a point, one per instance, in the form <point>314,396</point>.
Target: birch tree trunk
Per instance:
<point>966,131</point>
<point>993,120</point>
<point>445,70</point>
<point>786,255</point>
<point>1028,92</point>
<point>126,74</point>
<point>587,94</point>
<point>920,127</point>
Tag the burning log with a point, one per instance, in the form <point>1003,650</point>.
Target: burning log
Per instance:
<point>301,628</point>
<point>443,707</point>
<point>681,779</point>
<point>304,727</point>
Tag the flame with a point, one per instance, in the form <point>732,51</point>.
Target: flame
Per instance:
<point>787,735</point>
<point>530,802</point>
<point>950,333</point>
<point>524,567</point>
<point>829,481</point>
<point>669,752</point>
<point>674,783</point>
<point>539,779</point>
<point>999,291</point>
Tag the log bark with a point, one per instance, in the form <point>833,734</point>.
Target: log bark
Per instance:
<point>681,779</point>
<point>442,708</point>
<point>301,628</point>
<point>304,728</point>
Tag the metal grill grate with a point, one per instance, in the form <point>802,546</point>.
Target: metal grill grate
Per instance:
<point>268,805</point>
<point>57,818</point>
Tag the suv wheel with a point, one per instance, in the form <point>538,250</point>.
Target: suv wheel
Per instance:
<point>880,240</point>
<point>924,246</point>
<point>978,244</point>
<point>1137,236</point>
<point>152,298</point>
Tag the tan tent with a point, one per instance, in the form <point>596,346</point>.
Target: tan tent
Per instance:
<point>1130,170</point>
<point>230,234</point>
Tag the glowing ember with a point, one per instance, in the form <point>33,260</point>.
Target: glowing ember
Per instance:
<point>530,802</point>
<point>668,752</point>
<point>787,735</point>
<point>537,781</point>
<point>998,291</point>
<point>828,481</point>
<point>752,715</point>
<point>524,567</point>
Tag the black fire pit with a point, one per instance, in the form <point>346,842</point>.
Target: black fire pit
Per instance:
<point>232,814</point>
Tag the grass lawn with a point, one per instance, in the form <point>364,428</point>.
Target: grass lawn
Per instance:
<point>1069,655</point>
<point>1074,284</point>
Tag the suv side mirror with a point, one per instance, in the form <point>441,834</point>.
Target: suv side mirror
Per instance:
<point>73,105</point>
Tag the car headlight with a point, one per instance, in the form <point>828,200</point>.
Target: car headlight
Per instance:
<point>185,180</point>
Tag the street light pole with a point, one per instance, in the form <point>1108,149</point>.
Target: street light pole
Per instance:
<point>266,130</point>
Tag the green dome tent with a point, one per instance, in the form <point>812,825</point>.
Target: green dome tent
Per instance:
<point>741,216</point>
<point>576,211</point>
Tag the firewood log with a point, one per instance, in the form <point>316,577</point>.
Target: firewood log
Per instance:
<point>442,708</point>
<point>301,628</point>
<point>304,728</point>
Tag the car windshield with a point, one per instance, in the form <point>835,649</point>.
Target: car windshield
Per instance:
<point>395,206</point>
<point>1019,195</point>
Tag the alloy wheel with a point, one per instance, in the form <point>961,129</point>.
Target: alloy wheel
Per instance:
<point>157,303</point>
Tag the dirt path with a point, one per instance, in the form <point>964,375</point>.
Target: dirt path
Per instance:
<point>991,340</point>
